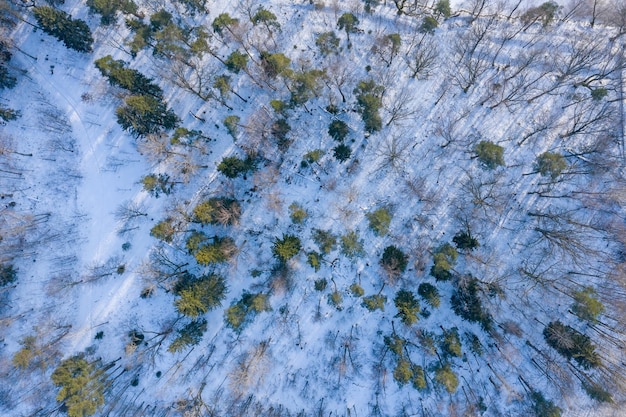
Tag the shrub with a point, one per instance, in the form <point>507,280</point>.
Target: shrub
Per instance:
<point>8,274</point>
<point>379,221</point>
<point>546,12</point>
<point>395,344</point>
<point>596,392</point>
<point>232,125</point>
<point>74,33</point>
<point>429,293</point>
<point>445,376</point>
<point>598,94</point>
<point>311,157</point>
<point>280,129</point>
<point>286,248</point>
<point>490,154</point>
<point>217,210</point>
<point>351,245</point>
<point>369,100</point>
<point>464,240</point>
<point>429,24</point>
<point>550,164</point>
<point>335,299</point>
<point>297,213</point>
<point>571,344</point>
<point>199,296</point>
<point>394,261</point>
<point>232,166</point>
<point>325,240</point>
<point>407,306</point>
<point>338,130</point>
<point>374,302</point>
<point>304,86</point>
<point>320,284</point>
<point>314,259</point>
<point>342,152</point>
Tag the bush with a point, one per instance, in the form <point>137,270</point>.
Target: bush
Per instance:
<point>342,152</point>
<point>320,284</point>
<point>394,261</point>
<point>351,245</point>
<point>335,299</point>
<point>325,240</point>
<point>429,24</point>
<point>338,130</point>
<point>304,86</point>
<point>374,302</point>
<point>369,100</point>
<point>395,344</point>
<point>546,12</point>
<point>598,94</point>
<point>596,392</point>
<point>444,375</point>
<point>286,248</point>
<point>157,184</point>
<point>280,129</point>
<point>201,295</point>
<point>275,64</point>
<point>550,164</point>
<point>74,33</point>
<point>490,154</point>
<point>314,259</point>
<point>419,377</point>
<point>429,293</point>
<point>311,157</point>
<point>217,210</point>
<point>82,386</point>
<point>443,7</point>
<point>232,166</point>
<point>232,125</point>
<point>571,344</point>
<point>407,306</point>
<point>297,213</point>
<point>356,290</point>
<point>379,221</point>
<point>464,240</point>
<point>8,274</point>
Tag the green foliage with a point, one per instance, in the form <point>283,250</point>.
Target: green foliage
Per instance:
<point>314,259</point>
<point>23,358</point>
<point>157,184</point>
<point>286,248</point>
<point>429,24</point>
<point>335,299</point>
<point>342,152</point>
<point>451,343</point>
<point>407,306</point>
<point>232,167</point>
<point>374,302</point>
<point>82,386</point>
<point>546,12</point>
<point>320,284</point>
<point>429,293</point>
<point>419,377</point>
<point>467,304</point>
<point>190,335</point>
<point>395,344</point>
<point>586,305</point>
<point>222,85</point>
<point>599,93</point>
<point>327,43</point>
<point>443,7</point>
<point>127,78</point>
<point>297,213</point>
<point>490,154</point>
<point>275,64</point>
<point>542,407</point>
<point>464,240</point>
<point>349,23</point>
<point>6,80</point>
<point>402,373</point>
<point>222,249</point>
<point>351,245</point>
<point>356,290</point>
<point>164,230</point>
<point>8,274</point>
<point>311,157</point>
<point>325,240</point>
<point>379,221</point>
<point>369,100</point>
<point>445,376</point>
<point>474,344</point>
<point>338,130</point>
<point>143,115</point>
<point>108,8</point>
<point>223,21</point>
<point>217,210</point>
<point>304,86</point>
<point>550,164</point>
<point>8,114</point>
<point>572,344</point>
<point>280,129</point>
<point>279,106</point>
<point>143,35</point>
<point>243,311</point>
<point>232,125</point>
<point>444,259</point>
<point>236,61</point>
<point>596,392</point>
<point>265,17</point>
<point>74,33</point>
<point>394,261</point>
<point>201,295</point>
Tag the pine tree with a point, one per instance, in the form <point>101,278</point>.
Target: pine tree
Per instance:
<point>82,386</point>
<point>74,33</point>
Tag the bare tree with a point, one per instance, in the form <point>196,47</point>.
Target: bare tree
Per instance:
<point>422,56</point>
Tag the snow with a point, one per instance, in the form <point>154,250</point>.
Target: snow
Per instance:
<point>84,167</point>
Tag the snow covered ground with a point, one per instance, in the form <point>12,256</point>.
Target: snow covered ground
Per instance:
<point>85,263</point>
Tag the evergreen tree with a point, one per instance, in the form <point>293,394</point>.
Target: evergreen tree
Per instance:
<point>190,335</point>
<point>490,154</point>
<point>82,386</point>
<point>394,261</point>
<point>349,23</point>
<point>550,164</point>
<point>143,115</point>
<point>127,78</point>
<point>407,306</point>
<point>201,295</point>
<point>429,293</point>
<point>286,248</point>
<point>74,33</point>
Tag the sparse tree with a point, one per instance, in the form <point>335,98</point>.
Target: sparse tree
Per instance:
<point>348,23</point>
